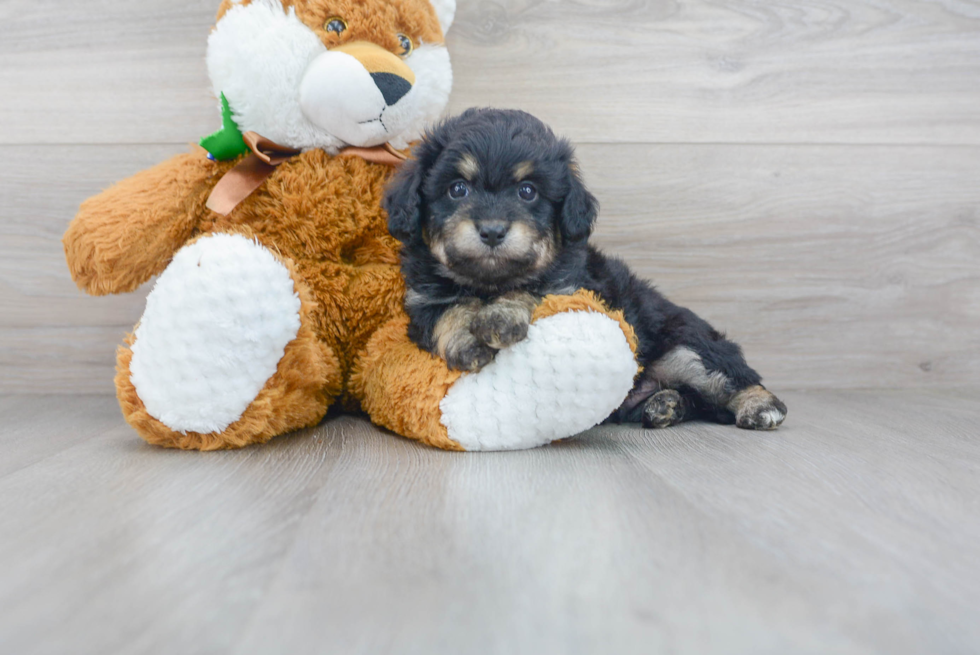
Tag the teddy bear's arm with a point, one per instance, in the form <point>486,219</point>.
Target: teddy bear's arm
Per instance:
<point>129,233</point>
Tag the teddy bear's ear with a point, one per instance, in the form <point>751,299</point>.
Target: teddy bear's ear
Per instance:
<point>446,11</point>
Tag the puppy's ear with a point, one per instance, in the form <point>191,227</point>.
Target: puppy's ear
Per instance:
<point>580,209</point>
<point>403,201</point>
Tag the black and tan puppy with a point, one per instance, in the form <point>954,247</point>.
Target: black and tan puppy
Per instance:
<point>493,216</point>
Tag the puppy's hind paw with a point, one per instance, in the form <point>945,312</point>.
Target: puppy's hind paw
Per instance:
<point>664,409</point>
<point>757,409</point>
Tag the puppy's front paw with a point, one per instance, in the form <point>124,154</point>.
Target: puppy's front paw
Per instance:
<point>470,356</point>
<point>505,321</point>
<point>757,409</point>
<point>499,327</point>
<point>455,341</point>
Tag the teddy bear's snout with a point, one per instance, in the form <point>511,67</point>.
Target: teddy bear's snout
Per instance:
<point>347,91</point>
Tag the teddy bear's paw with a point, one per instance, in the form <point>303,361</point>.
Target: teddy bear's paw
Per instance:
<point>215,327</point>
<point>570,373</point>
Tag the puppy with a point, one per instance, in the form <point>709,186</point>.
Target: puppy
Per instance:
<point>493,216</point>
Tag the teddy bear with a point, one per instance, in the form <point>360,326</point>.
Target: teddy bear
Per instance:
<point>278,293</point>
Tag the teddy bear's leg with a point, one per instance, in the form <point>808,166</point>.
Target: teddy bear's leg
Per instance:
<point>225,355</point>
<point>575,368</point>
<point>401,386</point>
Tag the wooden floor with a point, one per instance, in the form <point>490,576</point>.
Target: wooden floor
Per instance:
<point>855,529</point>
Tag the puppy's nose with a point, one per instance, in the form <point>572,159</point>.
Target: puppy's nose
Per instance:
<point>493,234</point>
<point>393,87</point>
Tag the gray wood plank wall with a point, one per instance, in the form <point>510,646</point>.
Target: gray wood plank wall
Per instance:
<point>806,175</point>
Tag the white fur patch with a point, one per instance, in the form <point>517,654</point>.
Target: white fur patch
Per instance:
<point>215,327</point>
<point>281,82</point>
<point>571,373</point>
<point>446,11</point>
<point>360,117</point>
<point>257,56</point>
<point>774,417</point>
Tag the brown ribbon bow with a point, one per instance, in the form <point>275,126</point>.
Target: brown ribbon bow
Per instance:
<point>241,181</point>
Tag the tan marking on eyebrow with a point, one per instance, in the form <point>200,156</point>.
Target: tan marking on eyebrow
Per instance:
<point>468,167</point>
<point>523,170</point>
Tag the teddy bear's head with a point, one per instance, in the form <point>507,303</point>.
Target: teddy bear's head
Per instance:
<point>332,73</point>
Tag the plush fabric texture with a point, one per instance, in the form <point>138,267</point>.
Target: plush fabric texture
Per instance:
<point>215,327</point>
<point>402,386</point>
<point>585,301</point>
<point>571,372</point>
<point>446,10</point>
<point>272,61</point>
<point>127,234</point>
<point>263,319</point>
<point>307,379</point>
<point>323,214</point>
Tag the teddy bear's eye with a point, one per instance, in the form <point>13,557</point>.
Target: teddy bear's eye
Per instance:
<point>336,25</point>
<point>407,45</point>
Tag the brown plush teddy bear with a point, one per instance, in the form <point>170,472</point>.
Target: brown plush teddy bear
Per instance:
<point>279,291</point>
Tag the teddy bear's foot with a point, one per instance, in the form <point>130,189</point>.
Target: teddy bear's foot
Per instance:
<point>574,369</point>
<point>224,356</point>
<point>570,373</point>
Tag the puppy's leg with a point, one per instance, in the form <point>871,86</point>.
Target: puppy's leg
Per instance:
<point>655,407</point>
<point>505,321</point>
<point>454,339</point>
<point>726,386</point>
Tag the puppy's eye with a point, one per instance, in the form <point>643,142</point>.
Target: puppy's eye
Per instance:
<point>527,192</point>
<point>337,25</point>
<point>407,45</point>
<point>458,190</point>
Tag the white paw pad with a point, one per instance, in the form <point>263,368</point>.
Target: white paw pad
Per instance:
<point>215,327</point>
<point>571,373</point>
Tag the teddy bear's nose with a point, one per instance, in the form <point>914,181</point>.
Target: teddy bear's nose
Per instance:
<point>393,87</point>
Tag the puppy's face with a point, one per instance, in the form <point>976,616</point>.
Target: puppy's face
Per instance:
<point>493,196</point>
<point>491,215</point>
